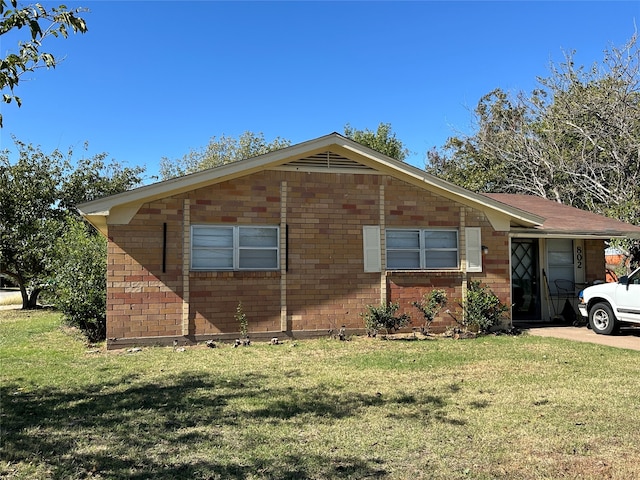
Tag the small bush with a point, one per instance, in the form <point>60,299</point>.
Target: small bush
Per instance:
<point>384,317</point>
<point>241,318</point>
<point>482,308</point>
<point>430,305</point>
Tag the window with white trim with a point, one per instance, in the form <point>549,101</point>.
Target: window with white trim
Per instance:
<point>224,247</point>
<point>422,249</point>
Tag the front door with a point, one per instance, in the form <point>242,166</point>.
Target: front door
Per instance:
<point>525,285</point>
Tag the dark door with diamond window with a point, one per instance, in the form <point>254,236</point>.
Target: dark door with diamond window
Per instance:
<point>525,284</point>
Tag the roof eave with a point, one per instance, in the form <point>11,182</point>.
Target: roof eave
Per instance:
<point>193,181</point>
<point>596,235</point>
<point>134,198</point>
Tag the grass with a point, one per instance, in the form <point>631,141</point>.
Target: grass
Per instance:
<point>495,407</point>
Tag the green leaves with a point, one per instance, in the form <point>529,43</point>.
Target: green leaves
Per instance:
<point>221,151</point>
<point>79,272</point>
<point>384,317</point>
<point>482,308</point>
<point>56,22</point>
<point>38,194</point>
<point>430,306</point>
<point>383,140</point>
<point>35,29</point>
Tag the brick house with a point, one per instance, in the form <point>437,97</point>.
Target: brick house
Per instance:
<point>307,236</point>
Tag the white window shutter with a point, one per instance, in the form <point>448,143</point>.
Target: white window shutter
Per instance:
<point>371,247</point>
<point>473,241</point>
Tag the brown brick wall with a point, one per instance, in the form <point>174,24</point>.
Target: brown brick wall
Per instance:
<point>254,199</point>
<point>215,296</point>
<point>409,206</point>
<point>142,300</point>
<point>326,283</point>
<point>408,287</point>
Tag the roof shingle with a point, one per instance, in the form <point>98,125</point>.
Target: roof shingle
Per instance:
<point>564,219</point>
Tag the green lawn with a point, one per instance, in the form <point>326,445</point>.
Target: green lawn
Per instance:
<point>495,407</point>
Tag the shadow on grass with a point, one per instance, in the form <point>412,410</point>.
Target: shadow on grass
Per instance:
<point>181,428</point>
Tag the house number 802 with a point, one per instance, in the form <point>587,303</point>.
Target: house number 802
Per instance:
<point>578,257</point>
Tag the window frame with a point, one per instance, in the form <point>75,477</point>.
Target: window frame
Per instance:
<point>235,249</point>
<point>422,248</point>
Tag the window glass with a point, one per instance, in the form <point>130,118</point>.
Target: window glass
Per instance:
<point>560,251</point>
<point>440,239</point>
<point>422,249</point>
<point>213,237</point>
<point>400,260</point>
<point>403,239</point>
<point>234,248</point>
<point>560,263</point>
<point>258,259</point>
<point>441,259</point>
<point>209,259</point>
<point>258,237</point>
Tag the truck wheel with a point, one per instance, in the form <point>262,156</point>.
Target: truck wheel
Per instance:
<point>602,319</point>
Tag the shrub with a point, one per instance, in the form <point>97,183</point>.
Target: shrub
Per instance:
<point>430,305</point>
<point>80,280</point>
<point>384,317</point>
<point>482,308</point>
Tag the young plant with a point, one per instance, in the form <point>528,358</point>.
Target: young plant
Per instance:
<point>384,317</point>
<point>430,306</point>
<point>241,318</point>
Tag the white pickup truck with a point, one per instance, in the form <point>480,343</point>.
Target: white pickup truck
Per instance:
<point>607,305</point>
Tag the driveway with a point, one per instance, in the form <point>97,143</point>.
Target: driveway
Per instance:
<point>628,338</point>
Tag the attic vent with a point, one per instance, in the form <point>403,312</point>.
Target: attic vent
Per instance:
<point>327,160</point>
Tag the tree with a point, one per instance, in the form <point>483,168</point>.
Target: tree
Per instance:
<point>42,23</point>
<point>575,139</point>
<point>37,197</point>
<point>383,140</point>
<point>220,151</point>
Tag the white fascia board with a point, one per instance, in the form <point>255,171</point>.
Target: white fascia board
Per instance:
<point>519,233</point>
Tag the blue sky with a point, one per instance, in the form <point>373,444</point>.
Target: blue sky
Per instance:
<point>157,79</point>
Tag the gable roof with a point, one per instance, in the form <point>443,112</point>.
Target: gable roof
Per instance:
<point>564,220</point>
<point>332,152</point>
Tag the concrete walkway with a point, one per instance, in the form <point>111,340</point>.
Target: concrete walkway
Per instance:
<point>628,338</point>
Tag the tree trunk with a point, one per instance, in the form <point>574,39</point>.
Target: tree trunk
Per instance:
<point>29,300</point>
